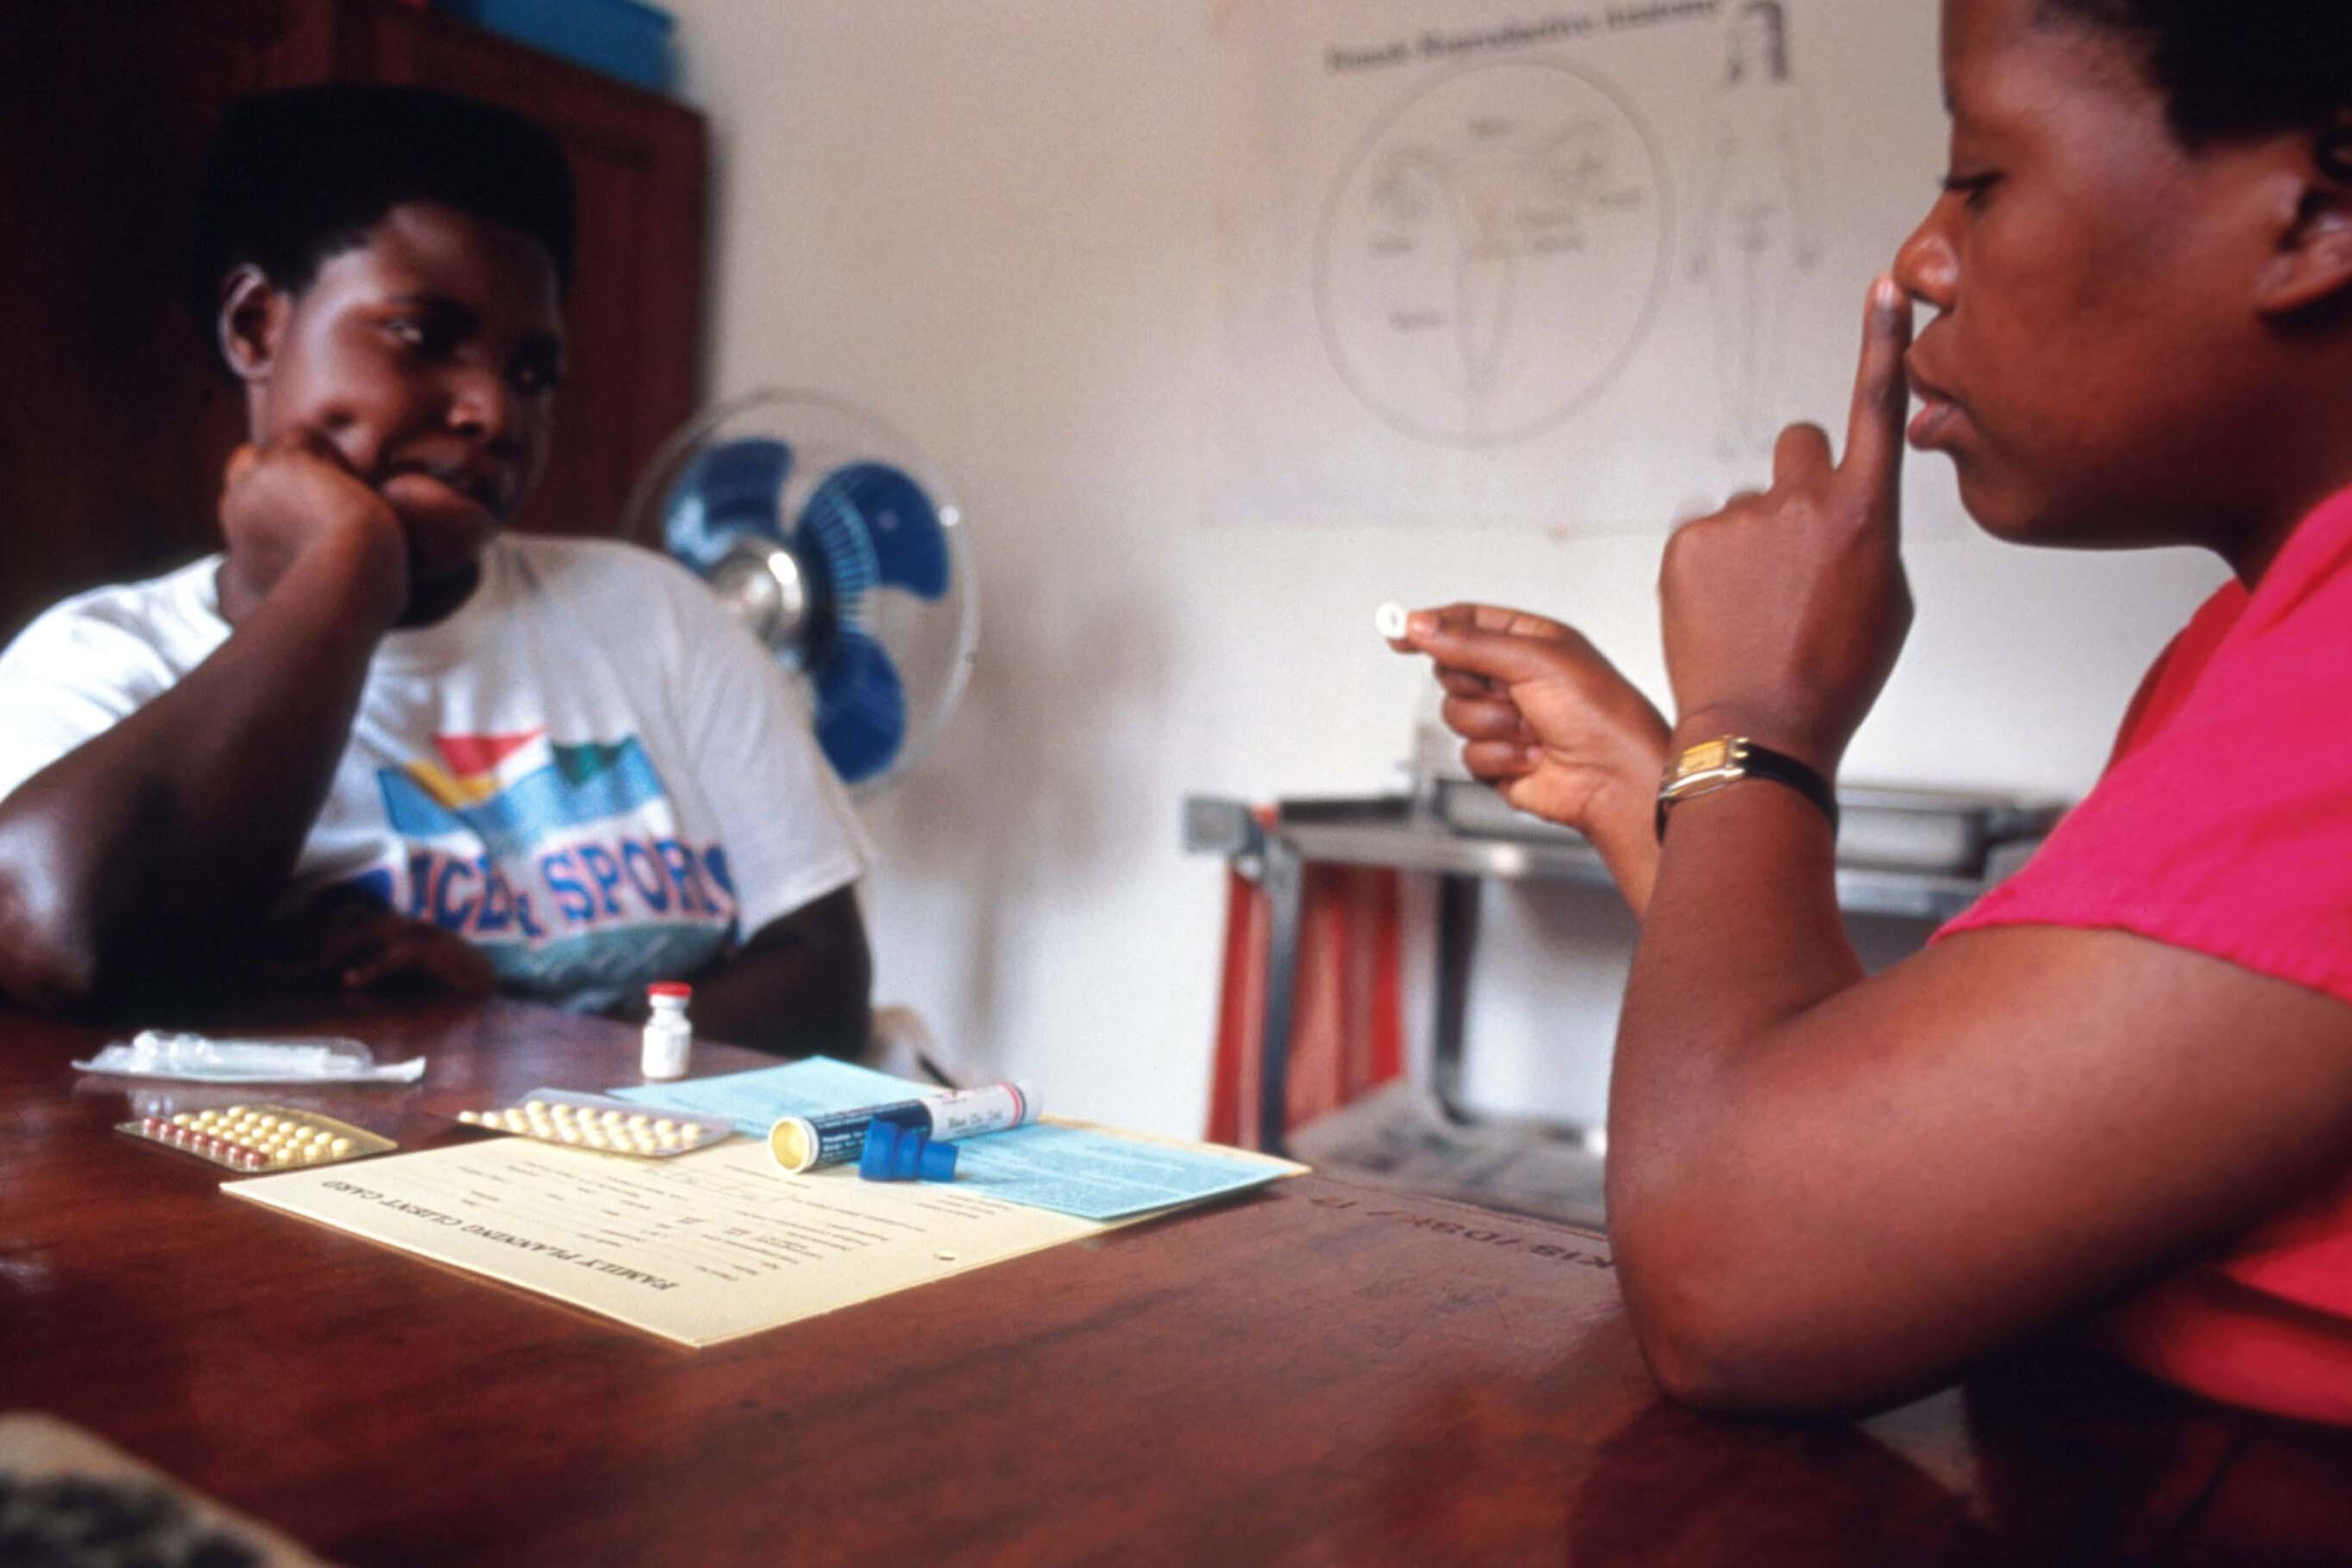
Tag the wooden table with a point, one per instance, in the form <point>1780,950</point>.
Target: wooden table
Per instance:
<point>1320,1373</point>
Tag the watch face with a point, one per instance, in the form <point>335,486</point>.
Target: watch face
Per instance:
<point>1708,765</point>
<point>1705,756</point>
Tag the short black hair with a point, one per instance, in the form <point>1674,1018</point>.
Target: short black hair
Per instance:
<point>293,178</point>
<point>2233,68</point>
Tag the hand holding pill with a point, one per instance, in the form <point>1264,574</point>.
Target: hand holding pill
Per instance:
<point>1553,726</point>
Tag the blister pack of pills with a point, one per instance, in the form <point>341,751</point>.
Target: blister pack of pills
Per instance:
<point>257,1138</point>
<point>597,1121</point>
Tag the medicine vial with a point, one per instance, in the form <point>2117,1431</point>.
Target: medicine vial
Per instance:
<point>669,1038</point>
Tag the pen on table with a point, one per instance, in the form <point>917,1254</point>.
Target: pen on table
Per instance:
<point>834,1137</point>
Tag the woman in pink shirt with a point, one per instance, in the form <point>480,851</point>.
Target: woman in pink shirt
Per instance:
<point>2118,1092</point>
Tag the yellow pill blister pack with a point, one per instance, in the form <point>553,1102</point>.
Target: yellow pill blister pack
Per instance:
<point>599,1123</point>
<point>257,1138</point>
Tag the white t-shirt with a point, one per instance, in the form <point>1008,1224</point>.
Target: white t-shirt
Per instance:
<point>588,771</point>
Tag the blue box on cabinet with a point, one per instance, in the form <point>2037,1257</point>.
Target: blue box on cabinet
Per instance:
<point>624,38</point>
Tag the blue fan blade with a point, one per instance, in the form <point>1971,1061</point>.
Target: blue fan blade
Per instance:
<point>734,488</point>
<point>908,546</point>
<point>836,547</point>
<point>742,480</point>
<point>861,709</point>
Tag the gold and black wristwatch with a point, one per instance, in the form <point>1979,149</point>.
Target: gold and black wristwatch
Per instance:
<point>1711,764</point>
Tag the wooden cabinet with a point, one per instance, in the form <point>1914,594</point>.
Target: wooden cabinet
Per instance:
<point>114,420</point>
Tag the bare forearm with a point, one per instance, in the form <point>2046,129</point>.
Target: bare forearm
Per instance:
<point>1743,941</point>
<point>1624,830</point>
<point>1743,929</point>
<point>1742,937</point>
<point>801,987</point>
<point>160,842</point>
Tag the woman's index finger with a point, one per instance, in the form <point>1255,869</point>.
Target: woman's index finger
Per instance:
<point>1497,654</point>
<point>1882,393</point>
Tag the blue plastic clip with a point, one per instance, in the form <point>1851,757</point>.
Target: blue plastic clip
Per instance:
<point>880,1153</point>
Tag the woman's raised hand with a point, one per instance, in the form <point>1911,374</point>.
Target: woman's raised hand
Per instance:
<point>1784,612</point>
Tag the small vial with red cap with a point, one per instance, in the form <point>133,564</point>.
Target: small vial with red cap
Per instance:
<point>669,1038</point>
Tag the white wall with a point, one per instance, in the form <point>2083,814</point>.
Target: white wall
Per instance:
<point>988,220</point>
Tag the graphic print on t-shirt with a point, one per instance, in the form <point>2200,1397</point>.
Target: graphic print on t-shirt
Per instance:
<point>562,863</point>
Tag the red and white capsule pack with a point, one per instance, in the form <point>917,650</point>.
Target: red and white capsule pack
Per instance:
<point>254,1139</point>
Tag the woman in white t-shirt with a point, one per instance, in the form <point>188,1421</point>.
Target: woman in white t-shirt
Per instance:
<point>374,742</point>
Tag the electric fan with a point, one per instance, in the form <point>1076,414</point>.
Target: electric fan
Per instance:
<point>826,532</point>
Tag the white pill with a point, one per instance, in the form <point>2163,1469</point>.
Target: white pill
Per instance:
<point>1389,621</point>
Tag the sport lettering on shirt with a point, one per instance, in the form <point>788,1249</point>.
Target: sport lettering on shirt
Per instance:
<point>561,862</point>
<point>578,888</point>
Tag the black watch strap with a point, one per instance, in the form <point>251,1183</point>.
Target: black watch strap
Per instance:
<point>1743,758</point>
